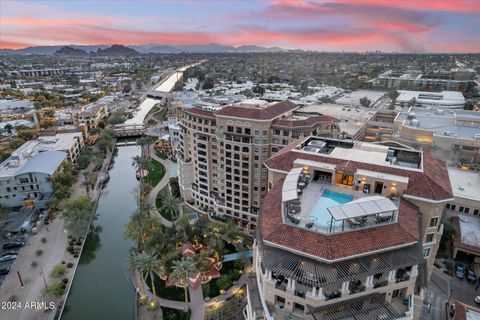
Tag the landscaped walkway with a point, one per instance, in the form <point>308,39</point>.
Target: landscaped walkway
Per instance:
<point>152,196</point>
<point>196,304</point>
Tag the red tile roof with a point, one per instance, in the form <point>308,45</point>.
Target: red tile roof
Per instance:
<point>200,112</point>
<point>336,246</point>
<point>308,122</point>
<point>433,183</point>
<point>267,113</point>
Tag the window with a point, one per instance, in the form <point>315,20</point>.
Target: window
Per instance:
<point>276,132</point>
<point>448,206</point>
<point>461,209</point>
<point>433,222</point>
<point>264,133</point>
<point>429,237</point>
<point>453,207</point>
<point>286,133</point>
<point>426,252</point>
<point>256,132</point>
<point>467,210</point>
<point>475,212</point>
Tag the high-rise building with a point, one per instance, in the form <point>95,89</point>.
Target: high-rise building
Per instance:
<point>348,230</point>
<point>221,153</point>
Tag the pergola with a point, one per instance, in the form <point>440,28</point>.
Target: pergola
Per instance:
<point>290,185</point>
<point>320,274</point>
<point>369,307</point>
<point>363,207</point>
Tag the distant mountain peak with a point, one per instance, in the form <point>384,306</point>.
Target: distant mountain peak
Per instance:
<point>67,50</point>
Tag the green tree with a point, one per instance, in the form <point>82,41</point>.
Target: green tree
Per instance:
<point>116,117</point>
<point>180,271</point>
<point>468,105</point>
<point>365,102</point>
<point>258,90</point>
<point>208,84</point>
<point>77,212</point>
<point>127,88</point>
<point>170,202</point>
<point>9,128</point>
<point>149,264</point>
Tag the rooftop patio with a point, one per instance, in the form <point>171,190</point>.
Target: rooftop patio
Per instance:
<point>301,196</point>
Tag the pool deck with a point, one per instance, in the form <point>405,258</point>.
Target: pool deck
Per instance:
<point>314,190</point>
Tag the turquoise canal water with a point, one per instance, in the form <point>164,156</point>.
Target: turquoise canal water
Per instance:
<point>102,287</point>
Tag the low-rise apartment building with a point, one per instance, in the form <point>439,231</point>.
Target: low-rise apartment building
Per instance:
<point>221,154</point>
<point>466,192</point>
<point>24,175</point>
<point>347,230</point>
<point>455,134</point>
<point>89,115</point>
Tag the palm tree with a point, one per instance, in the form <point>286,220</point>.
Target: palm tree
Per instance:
<point>141,163</point>
<point>180,271</point>
<point>133,265</point>
<point>170,202</point>
<point>149,264</point>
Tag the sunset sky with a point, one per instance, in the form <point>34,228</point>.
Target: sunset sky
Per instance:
<point>330,25</point>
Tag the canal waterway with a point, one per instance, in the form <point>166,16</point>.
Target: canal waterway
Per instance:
<point>102,287</point>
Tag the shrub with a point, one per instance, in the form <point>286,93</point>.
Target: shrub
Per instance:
<point>58,271</point>
<point>69,265</point>
<point>34,264</point>
<point>65,280</point>
<point>78,242</point>
<point>39,252</point>
<point>75,255</point>
<point>63,262</point>
<point>57,289</point>
<point>44,240</point>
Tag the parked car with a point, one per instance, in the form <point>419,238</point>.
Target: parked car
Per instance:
<point>4,271</point>
<point>7,253</point>
<point>459,271</point>
<point>471,277</point>
<point>8,258</point>
<point>477,299</point>
<point>13,245</point>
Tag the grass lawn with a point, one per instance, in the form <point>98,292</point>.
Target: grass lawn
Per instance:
<point>155,173</point>
<point>170,293</point>
<point>152,122</point>
<point>174,314</point>
<point>167,213</point>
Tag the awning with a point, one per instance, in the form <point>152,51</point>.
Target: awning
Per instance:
<point>362,207</point>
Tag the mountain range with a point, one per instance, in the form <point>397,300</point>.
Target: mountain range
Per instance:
<point>150,48</point>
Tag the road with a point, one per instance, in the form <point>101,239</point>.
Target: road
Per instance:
<point>438,294</point>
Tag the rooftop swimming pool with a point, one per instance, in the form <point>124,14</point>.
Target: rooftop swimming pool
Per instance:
<point>320,214</point>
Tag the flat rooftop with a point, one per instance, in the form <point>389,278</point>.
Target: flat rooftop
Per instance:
<point>363,152</point>
<point>353,98</point>
<point>352,118</point>
<point>465,184</point>
<point>460,124</point>
<point>444,98</point>
<point>31,148</point>
<point>469,230</point>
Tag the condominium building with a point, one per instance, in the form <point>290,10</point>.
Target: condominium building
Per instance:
<point>89,115</point>
<point>348,230</point>
<point>24,175</point>
<point>453,80</point>
<point>221,154</point>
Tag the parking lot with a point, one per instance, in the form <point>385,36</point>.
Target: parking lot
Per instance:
<point>11,231</point>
